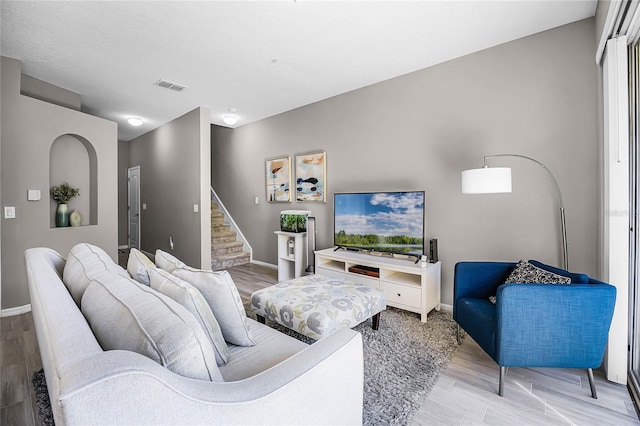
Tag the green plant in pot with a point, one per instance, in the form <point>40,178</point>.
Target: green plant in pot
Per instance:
<point>62,194</point>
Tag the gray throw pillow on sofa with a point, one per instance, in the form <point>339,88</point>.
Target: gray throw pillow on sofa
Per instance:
<point>221,294</point>
<point>168,262</point>
<point>191,298</point>
<point>125,315</point>
<point>138,266</point>
<point>84,263</point>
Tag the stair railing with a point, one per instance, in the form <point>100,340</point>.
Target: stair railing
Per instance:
<point>232,224</point>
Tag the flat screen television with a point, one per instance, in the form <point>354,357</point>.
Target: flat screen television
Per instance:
<point>390,222</point>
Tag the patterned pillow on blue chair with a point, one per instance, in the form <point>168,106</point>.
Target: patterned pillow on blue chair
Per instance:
<point>527,273</point>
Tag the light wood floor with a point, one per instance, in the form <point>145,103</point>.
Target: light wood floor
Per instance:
<point>466,392</point>
<point>19,359</point>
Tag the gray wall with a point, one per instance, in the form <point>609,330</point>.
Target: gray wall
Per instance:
<point>29,127</point>
<point>171,183</point>
<point>535,96</point>
<point>44,91</point>
<point>601,16</point>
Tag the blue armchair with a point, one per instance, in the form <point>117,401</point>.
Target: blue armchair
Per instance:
<point>534,325</point>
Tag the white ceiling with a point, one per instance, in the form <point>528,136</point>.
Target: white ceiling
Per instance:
<point>261,58</point>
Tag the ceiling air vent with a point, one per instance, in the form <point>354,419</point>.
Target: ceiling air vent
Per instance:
<point>171,86</point>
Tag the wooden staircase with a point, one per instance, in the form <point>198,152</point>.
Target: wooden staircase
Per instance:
<point>226,250</point>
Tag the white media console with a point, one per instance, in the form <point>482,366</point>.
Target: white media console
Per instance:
<point>407,285</point>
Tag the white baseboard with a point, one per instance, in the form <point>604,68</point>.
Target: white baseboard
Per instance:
<point>124,247</point>
<point>18,310</point>
<point>446,308</point>
<point>265,264</point>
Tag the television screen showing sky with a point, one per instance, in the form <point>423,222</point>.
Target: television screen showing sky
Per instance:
<point>390,213</point>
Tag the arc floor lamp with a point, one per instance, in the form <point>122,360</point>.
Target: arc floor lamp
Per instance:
<point>492,180</point>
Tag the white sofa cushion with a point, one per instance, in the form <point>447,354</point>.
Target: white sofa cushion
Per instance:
<point>191,298</point>
<point>272,347</point>
<point>221,294</point>
<point>84,263</point>
<point>168,262</point>
<point>125,315</point>
<point>138,266</point>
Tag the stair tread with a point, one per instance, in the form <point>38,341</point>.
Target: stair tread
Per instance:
<point>227,244</point>
<point>232,255</point>
<point>219,240</point>
<point>224,233</point>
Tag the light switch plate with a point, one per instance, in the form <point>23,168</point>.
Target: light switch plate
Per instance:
<point>144,206</point>
<point>10,212</point>
<point>33,195</point>
<point>195,208</point>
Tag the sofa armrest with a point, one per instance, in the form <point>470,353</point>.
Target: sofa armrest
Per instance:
<point>323,384</point>
<point>478,279</point>
<point>546,325</point>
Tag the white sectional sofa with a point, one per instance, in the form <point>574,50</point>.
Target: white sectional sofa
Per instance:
<point>278,381</point>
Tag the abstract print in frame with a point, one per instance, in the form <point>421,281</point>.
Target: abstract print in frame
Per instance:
<point>279,180</point>
<point>311,180</point>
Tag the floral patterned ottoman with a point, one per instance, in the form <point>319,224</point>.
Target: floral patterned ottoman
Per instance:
<point>316,305</point>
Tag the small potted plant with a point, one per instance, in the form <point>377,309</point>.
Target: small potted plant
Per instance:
<point>62,194</point>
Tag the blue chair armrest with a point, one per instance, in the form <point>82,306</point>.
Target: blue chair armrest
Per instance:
<point>547,325</point>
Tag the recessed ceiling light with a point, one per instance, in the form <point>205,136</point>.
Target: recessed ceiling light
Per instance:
<point>135,121</point>
<point>229,119</point>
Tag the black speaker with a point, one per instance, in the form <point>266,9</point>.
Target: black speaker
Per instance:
<point>311,245</point>
<point>433,250</point>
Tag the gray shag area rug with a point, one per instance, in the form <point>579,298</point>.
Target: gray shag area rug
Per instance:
<point>402,363</point>
<point>42,398</point>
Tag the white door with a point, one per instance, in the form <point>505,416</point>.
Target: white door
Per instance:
<point>133,174</point>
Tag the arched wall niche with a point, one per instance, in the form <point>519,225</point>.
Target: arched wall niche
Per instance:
<point>73,159</point>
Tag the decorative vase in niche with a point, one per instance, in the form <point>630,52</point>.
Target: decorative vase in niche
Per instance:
<point>62,215</point>
<point>75,219</point>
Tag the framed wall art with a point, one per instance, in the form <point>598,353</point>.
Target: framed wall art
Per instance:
<point>311,177</point>
<point>279,180</point>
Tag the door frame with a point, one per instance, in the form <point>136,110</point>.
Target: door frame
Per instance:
<point>129,173</point>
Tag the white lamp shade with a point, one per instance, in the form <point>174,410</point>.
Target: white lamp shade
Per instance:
<point>488,180</point>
